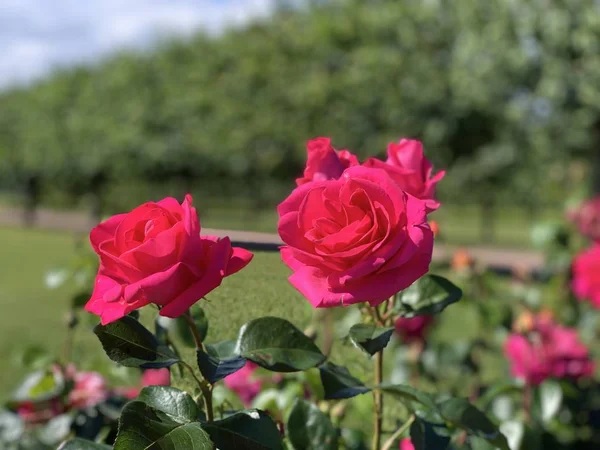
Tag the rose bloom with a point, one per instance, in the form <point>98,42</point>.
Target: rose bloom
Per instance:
<point>155,254</point>
<point>156,377</point>
<point>550,350</point>
<point>586,275</point>
<point>244,384</point>
<point>406,444</point>
<point>407,165</point>
<point>356,239</point>
<point>587,218</point>
<point>89,390</point>
<point>325,162</point>
<point>414,328</point>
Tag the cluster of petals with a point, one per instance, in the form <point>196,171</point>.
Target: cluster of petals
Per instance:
<point>547,350</point>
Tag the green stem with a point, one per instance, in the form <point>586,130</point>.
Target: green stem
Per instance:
<point>205,386</point>
<point>378,401</point>
<point>390,442</point>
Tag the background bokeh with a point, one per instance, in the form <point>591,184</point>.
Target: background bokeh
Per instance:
<point>504,93</point>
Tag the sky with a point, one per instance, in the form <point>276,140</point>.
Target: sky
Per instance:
<point>38,35</point>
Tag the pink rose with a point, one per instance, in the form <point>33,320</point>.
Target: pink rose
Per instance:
<point>407,165</point>
<point>244,384</point>
<point>156,377</point>
<point>406,444</point>
<point>412,329</point>
<point>587,218</point>
<point>356,239</point>
<point>155,254</point>
<point>89,390</point>
<point>324,162</point>
<point>586,275</point>
<point>549,350</point>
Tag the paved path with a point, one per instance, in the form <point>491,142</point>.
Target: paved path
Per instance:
<point>82,223</point>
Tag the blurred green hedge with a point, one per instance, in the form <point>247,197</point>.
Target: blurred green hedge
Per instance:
<point>504,92</point>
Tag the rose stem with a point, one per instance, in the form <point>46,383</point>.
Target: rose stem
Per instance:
<point>388,444</point>
<point>378,401</point>
<point>205,386</point>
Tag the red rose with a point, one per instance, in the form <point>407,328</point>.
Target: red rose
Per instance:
<point>155,254</point>
<point>586,275</point>
<point>407,165</point>
<point>324,162</point>
<point>356,239</point>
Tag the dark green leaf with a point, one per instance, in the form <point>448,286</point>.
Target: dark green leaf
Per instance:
<point>128,343</point>
<point>277,345</point>
<point>135,314</point>
<point>161,333</point>
<point>200,321</point>
<point>338,383</point>
<point>177,404</point>
<point>222,350</point>
<point>245,430</point>
<point>142,427</point>
<point>428,295</point>
<point>419,402</point>
<point>80,299</point>
<point>490,394</point>
<point>82,444</point>
<point>464,415</point>
<point>369,338</point>
<point>427,436</point>
<point>309,428</point>
<point>215,369</point>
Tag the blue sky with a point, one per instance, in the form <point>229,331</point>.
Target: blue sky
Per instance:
<point>37,35</point>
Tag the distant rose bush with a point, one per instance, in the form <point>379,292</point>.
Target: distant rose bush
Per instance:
<point>89,390</point>
<point>587,218</point>
<point>548,350</point>
<point>155,254</point>
<point>244,384</point>
<point>356,239</point>
<point>586,275</point>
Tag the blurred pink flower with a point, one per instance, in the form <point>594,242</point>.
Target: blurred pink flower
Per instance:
<point>156,377</point>
<point>413,329</point>
<point>549,350</point>
<point>89,390</point>
<point>406,444</point>
<point>244,384</point>
<point>586,217</point>
<point>586,275</point>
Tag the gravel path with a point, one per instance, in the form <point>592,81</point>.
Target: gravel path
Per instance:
<point>81,223</point>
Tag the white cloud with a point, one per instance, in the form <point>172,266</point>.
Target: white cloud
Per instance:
<point>37,35</point>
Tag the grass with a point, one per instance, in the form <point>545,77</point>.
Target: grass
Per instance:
<point>34,315</point>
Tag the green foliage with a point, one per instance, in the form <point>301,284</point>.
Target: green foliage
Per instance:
<point>503,91</point>
<point>129,343</point>
<point>277,345</point>
<point>338,383</point>
<point>428,295</point>
<point>308,427</point>
<point>369,338</point>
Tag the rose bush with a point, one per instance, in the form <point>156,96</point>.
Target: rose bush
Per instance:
<point>155,254</point>
<point>356,239</point>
